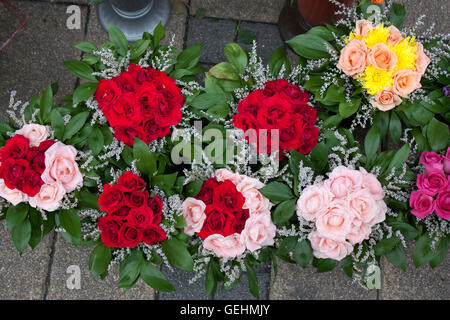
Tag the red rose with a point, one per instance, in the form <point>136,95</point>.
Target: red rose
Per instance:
<point>13,172</point>
<point>107,93</point>
<point>15,148</point>
<point>125,112</point>
<point>207,190</point>
<point>136,198</point>
<point>153,234</point>
<point>240,219</point>
<point>120,213</point>
<point>131,181</point>
<point>142,217</point>
<point>274,113</point>
<point>126,134</point>
<point>308,139</point>
<point>32,182</point>
<point>139,74</point>
<point>151,130</point>
<point>111,198</point>
<point>156,204</point>
<point>251,104</point>
<point>44,145</point>
<point>126,82</point>
<point>307,113</point>
<point>244,121</point>
<point>37,161</point>
<point>109,228</point>
<point>129,235</point>
<point>218,221</point>
<point>227,197</point>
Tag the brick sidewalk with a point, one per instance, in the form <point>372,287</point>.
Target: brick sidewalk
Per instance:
<point>35,58</point>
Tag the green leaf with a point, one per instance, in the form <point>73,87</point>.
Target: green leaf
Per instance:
<point>347,265</point>
<point>57,123</point>
<point>277,192</point>
<point>408,231</point>
<point>440,253</point>
<point>75,124</point>
<point>303,253</point>
<point>87,47</point>
<point>381,121</point>
<point>99,260</point>
<point>395,128</point>
<point>95,141</point>
<point>287,245</point>
<point>177,254</point>
<point>324,265</point>
<point>277,60</point>
<point>224,70</point>
<point>397,257</point>
<point>397,15</point>
<point>165,181</point>
<point>422,251</point>
<point>158,34</point>
<point>386,245</point>
<point>70,221</point>
<point>139,48</point>
<point>21,235</point>
<point>284,211</point>
<point>247,37</point>
<point>88,200</point>
<point>310,46</point>
<point>319,157</point>
<point>252,280</point>
<point>16,215</point>
<point>210,281</point>
<point>237,56</point>
<point>438,135</point>
<point>347,109</point>
<point>193,188</point>
<point>36,231</point>
<point>154,278</point>
<point>84,91</point>
<point>400,157</point>
<point>117,37</point>
<point>188,58</point>
<point>321,32</point>
<point>81,69</point>
<point>146,160</point>
<point>46,103</point>
<point>130,269</point>
<point>372,143</point>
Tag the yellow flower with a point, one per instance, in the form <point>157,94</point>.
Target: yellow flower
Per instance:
<point>378,34</point>
<point>406,51</point>
<point>374,80</point>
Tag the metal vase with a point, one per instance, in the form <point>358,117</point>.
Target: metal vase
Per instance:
<point>133,17</point>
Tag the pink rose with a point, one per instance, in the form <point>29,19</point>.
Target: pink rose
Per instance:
<point>255,202</point>
<point>225,247</point>
<point>194,215</point>
<point>443,205</point>
<point>368,209</point>
<point>342,181</point>
<point>60,166</point>
<point>336,221</point>
<point>49,197</point>
<point>432,161</point>
<point>421,204</point>
<point>422,61</point>
<point>371,183</point>
<point>447,162</point>
<point>224,174</point>
<point>385,100</point>
<point>395,36</point>
<point>363,28</point>
<point>14,196</point>
<point>432,183</point>
<point>36,133</point>
<point>248,183</point>
<point>324,248</point>
<point>405,82</point>
<point>381,57</point>
<point>360,231</point>
<point>259,231</point>
<point>353,58</point>
<point>313,200</point>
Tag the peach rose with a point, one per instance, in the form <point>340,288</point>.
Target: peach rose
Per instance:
<point>360,231</point>
<point>255,202</point>
<point>36,133</point>
<point>363,28</point>
<point>353,58</point>
<point>225,247</point>
<point>313,200</point>
<point>343,180</point>
<point>225,174</point>
<point>194,215</point>
<point>324,248</point>
<point>372,184</point>
<point>381,57</point>
<point>336,221</point>
<point>49,197</point>
<point>365,206</point>
<point>60,166</point>
<point>395,36</point>
<point>422,61</point>
<point>259,232</point>
<point>405,82</point>
<point>14,196</point>
<point>385,100</point>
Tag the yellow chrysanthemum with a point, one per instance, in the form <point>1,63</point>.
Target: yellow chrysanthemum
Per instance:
<point>378,34</point>
<point>374,80</point>
<point>353,36</point>
<point>406,53</point>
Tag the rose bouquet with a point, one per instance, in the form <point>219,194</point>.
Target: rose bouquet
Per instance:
<point>369,69</point>
<point>43,170</point>
<point>342,206</point>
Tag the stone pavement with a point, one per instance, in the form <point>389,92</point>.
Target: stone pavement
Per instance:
<point>35,58</point>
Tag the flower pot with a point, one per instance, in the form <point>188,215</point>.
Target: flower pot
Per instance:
<point>133,17</point>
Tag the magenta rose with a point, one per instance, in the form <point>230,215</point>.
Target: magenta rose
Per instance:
<point>443,204</point>
<point>432,161</point>
<point>422,204</point>
<point>447,162</point>
<point>432,183</point>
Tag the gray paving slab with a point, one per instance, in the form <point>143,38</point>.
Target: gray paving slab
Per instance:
<point>22,277</point>
<point>435,11</point>
<point>295,283</point>
<point>253,10</point>
<point>213,34</point>
<point>422,283</point>
<point>267,38</point>
<point>66,255</point>
<point>34,58</point>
